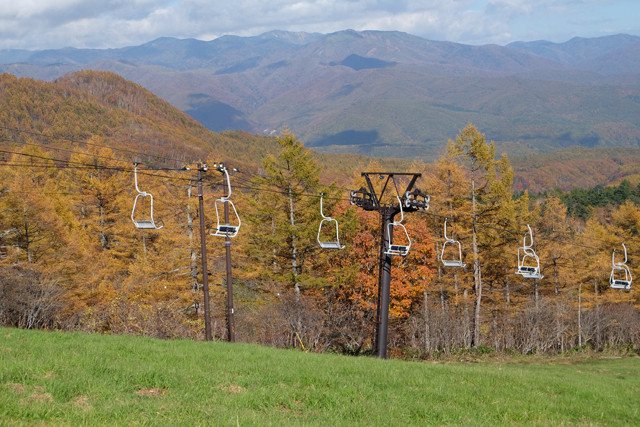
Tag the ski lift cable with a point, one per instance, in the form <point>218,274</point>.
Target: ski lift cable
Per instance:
<point>79,165</point>
<point>70,164</point>
<point>76,141</point>
<point>73,140</point>
<point>517,236</point>
<point>244,187</point>
<point>87,167</point>
<point>66,150</point>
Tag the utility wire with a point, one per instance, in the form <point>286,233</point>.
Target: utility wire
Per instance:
<point>66,150</point>
<point>249,185</point>
<point>123,150</point>
<point>70,164</point>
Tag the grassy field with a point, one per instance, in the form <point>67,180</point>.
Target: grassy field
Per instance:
<point>72,378</point>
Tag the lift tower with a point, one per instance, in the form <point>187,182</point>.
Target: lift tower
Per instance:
<point>409,200</point>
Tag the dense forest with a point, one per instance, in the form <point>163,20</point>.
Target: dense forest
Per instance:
<point>71,257</point>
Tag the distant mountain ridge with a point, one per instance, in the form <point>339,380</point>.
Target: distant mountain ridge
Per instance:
<point>386,94</point>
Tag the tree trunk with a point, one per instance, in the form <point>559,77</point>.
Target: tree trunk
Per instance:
<point>556,280</point>
<point>194,256</point>
<point>27,245</point>
<point>103,236</point>
<point>294,264</point>
<point>580,315</point>
<point>476,272</point>
<point>427,331</point>
<point>465,336</point>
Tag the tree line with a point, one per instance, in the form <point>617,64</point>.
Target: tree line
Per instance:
<point>71,258</point>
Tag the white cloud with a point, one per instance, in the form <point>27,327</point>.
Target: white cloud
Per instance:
<point>39,24</point>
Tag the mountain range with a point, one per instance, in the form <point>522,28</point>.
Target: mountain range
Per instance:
<point>384,94</point>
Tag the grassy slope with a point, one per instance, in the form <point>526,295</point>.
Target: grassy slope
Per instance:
<point>64,378</point>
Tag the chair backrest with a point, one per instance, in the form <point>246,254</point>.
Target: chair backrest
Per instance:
<point>617,280</point>
<point>224,228</point>
<point>395,248</point>
<point>526,253</point>
<point>328,244</point>
<point>453,261</point>
<point>145,224</point>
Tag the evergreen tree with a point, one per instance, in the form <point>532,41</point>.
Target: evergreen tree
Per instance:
<point>284,218</point>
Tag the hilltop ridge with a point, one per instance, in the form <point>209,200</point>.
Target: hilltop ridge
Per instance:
<point>383,94</point>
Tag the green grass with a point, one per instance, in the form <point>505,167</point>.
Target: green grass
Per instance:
<point>73,378</point>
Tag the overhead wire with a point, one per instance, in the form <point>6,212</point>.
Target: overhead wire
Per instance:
<point>246,184</point>
<point>66,150</point>
<point>76,141</point>
<point>72,164</point>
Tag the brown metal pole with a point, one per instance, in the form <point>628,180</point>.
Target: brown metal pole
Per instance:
<point>231,333</point>
<point>370,201</point>
<point>385,284</point>
<point>203,254</point>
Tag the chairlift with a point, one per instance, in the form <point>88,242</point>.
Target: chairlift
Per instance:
<point>327,221</point>
<point>528,261</point>
<point>144,223</point>
<point>620,277</point>
<point>451,261</point>
<point>395,248</point>
<point>223,228</point>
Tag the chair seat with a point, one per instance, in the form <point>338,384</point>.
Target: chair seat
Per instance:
<point>145,224</point>
<point>398,250</point>
<point>621,284</point>
<point>330,245</point>
<point>452,263</point>
<point>227,229</point>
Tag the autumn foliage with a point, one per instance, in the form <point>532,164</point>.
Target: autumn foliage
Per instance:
<point>71,257</point>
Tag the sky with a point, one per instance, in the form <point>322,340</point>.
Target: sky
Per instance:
<point>52,24</point>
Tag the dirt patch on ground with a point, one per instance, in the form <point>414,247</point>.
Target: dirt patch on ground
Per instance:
<point>38,396</point>
<point>233,388</point>
<point>82,403</point>
<point>236,389</point>
<point>152,392</point>
<point>17,388</point>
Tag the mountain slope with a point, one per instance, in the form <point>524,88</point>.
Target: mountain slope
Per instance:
<point>384,93</point>
<point>104,108</point>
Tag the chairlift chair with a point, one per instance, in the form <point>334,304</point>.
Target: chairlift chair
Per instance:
<point>223,228</point>
<point>528,261</point>
<point>395,248</point>
<point>327,221</point>
<point>452,261</point>
<point>150,223</point>
<point>619,280</point>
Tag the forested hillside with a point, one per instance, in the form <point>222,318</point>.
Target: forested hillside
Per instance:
<point>382,93</point>
<point>71,257</point>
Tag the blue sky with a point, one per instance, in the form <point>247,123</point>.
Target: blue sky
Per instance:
<point>43,24</point>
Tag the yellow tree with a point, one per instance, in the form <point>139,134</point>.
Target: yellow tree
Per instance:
<point>35,231</point>
<point>283,220</point>
<point>449,189</point>
<point>491,201</point>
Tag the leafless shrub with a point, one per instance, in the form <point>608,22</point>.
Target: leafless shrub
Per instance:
<point>29,300</point>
